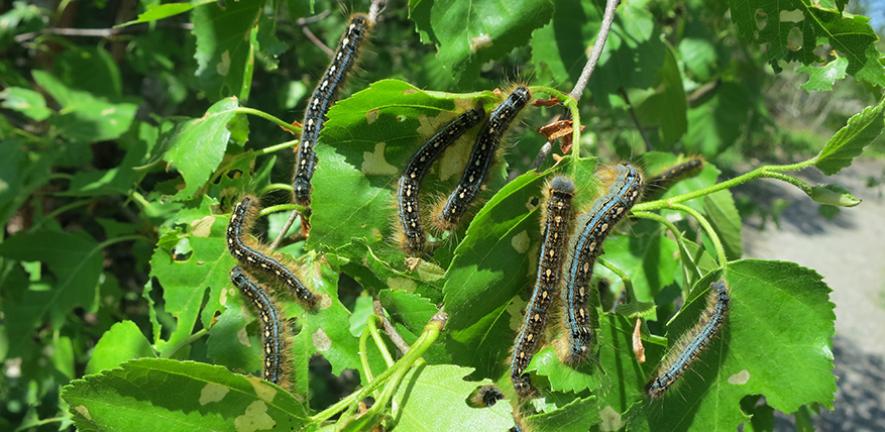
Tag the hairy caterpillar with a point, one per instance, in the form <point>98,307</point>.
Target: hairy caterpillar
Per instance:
<point>322,98</point>
<point>586,246</point>
<point>557,225</point>
<point>273,332</point>
<point>659,184</point>
<point>481,157</point>
<point>485,396</point>
<point>262,263</point>
<point>690,345</point>
<point>410,181</point>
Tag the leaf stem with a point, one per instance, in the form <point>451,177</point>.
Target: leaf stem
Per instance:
<point>364,355</point>
<point>628,284</point>
<point>705,224</point>
<point>277,147</point>
<point>680,241</point>
<point>273,187</point>
<point>280,208</point>
<point>424,341</point>
<point>294,130</point>
<point>170,352</point>
<point>379,342</point>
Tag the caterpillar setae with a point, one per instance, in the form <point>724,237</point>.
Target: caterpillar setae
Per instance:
<point>557,225</point>
<point>485,396</point>
<point>273,331</point>
<point>322,98</point>
<point>657,185</point>
<point>410,181</point>
<point>262,263</point>
<point>690,345</point>
<point>586,246</point>
<point>481,157</point>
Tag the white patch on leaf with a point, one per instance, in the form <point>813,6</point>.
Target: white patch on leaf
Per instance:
<point>371,116</point>
<point>792,16</point>
<point>740,378</point>
<point>521,242</point>
<point>213,392</point>
<point>404,284</point>
<point>479,42</point>
<point>201,227</point>
<point>321,340</point>
<point>243,338</point>
<point>611,419</point>
<point>83,411</point>
<point>375,164</point>
<point>254,419</point>
<point>263,390</point>
<point>223,66</point>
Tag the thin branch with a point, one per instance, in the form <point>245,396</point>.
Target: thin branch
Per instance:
<point>388,327</point>
<point>291,220</point>
<point>304,22</point>
<point>607,19</point>
<point>635,118</point>
<point>375,9</point>
<point>96,32</point>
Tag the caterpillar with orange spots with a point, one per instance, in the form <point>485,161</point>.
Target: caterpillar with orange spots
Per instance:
<point>557,226</point>
<point>257,260</point>
<point>481,157</point>
<point>693,342</point>
<point>322,98</point>
<point>410,181</point>
<point>274,340</point>
<point>594,226</point>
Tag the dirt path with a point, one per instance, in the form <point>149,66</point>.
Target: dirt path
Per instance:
<point>849,252</point>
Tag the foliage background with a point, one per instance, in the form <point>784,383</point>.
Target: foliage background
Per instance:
<point>122,154</point>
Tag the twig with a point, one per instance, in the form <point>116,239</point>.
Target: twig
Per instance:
<point>607,19</point>
<point>388,327</point>
<point>304,22</point>
<point>375,9</point>
<point>95,32</point>
<point>286,226</point>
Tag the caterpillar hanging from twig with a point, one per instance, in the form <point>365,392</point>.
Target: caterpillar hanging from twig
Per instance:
<point>594,226</point>
<point>658,185</point>
<point>690,345</point>
<point>481,157</point>
<point>410,182</point>
<point>557,225</point>
<point>322,98</point>
<point>260,262</point>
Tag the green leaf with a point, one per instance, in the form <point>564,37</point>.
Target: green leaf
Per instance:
<point>21,173</point>
<point>823,77</point>
<point>790,29</point>
<point>25,101</point>
<point>75,261</point>
<point>186,274</point>
<point>834,195</point>
<point>225,46</point>
<point>723,215</point>
<point>717,122</point>
<point>494,261</point>
<point>156,12</point>
<point>444,386</point>
<point>232,341</point>
<point>198,145</point>
<point>577,416</point>
<point>122,178</point>
<point>169,395</point>
<point>861,130</point>
<point>83,116</point>
<point>122,342</point>
<point>90,69</point>
<point>786,357</point>
<point>466,39</point>
<point>666,108</point>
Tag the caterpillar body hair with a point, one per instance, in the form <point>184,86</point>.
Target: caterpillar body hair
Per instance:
<point>481,157</point>
<point>262,264</point>
<point>657,185</point>
<point>410,182</point>
<point>485,396</point>
<point>273,331</point>
<point>692,343</point>
<point>593,227</point>
<point>321,99</point>
<point>557,226</point>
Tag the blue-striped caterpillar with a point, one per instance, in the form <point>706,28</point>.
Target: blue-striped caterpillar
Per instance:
<point>274,340</point>
<point>322,98</point>
<point>257,260</point>
<point>690,345</point>
<point>481,157</point>
<point>657,185</point>
<point>407,198</point>
<point>557,226</point>
<point>586,246</point>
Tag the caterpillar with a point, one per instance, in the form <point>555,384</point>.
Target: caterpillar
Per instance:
<point>485,396</point>
<point>481,157</point>
<point>273,332</point>
<point>557,223</point>
<point>659,184</point>
<point>594,225</point>
<point>321,99</point>
<point>257,262</point>
<point>689,347</point>
<point>410,181</point>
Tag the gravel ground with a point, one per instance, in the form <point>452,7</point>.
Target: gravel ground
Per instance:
<point>848,251</point>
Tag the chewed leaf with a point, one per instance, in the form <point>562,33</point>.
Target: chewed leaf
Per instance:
<point>860,131</point>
